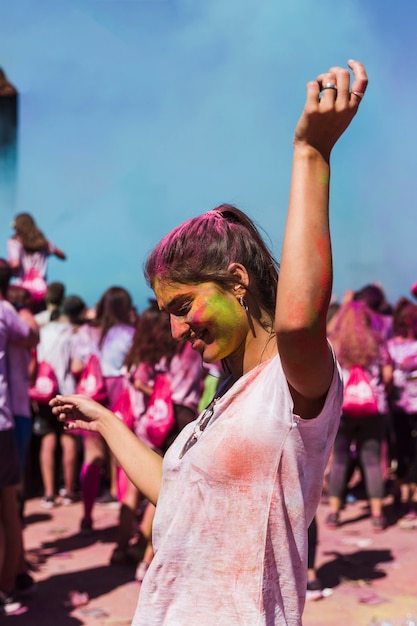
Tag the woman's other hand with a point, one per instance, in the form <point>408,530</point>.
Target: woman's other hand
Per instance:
<point>77,411</point>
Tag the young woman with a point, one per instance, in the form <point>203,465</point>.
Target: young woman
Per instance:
<point>109,337</point>
<point>55,346</point>
<point>357,342</point>
<point>239,487</point>
<point>27,253</point>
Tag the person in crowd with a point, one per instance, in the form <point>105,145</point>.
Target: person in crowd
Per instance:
<point>374,297</point>
<point>55,293</point>
<point>27,253</point>
<point>402,348</point>
<point>13,330</point>
<point>358,344</point>
<point>20,362</point>
<point>314,586</point>
<point>55,347</point>
<point>20,366</point>
<point>109,337</point>
<point>155,351</point>
<point>249,471</point>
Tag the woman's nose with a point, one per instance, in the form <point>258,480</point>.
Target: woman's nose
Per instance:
<point>179,327</point>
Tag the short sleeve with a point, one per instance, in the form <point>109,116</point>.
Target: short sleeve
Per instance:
<point>14,249</point>
<point>17,328</point>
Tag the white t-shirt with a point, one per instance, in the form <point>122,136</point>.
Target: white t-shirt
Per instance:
<point>12,329</point>
<point>38,260</point>
<point>55,346</point>
<point>230,530</point>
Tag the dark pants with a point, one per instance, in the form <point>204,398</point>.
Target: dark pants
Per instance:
<point>367,433</point>
<point>312,544</point>
<point>405,426</point>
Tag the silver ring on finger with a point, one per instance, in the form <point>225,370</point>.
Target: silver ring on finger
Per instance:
<point>329,86</point>
<point>359,94</point>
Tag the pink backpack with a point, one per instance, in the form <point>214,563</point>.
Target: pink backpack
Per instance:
<point>123,406</point>
<point>46,384</point>
<point>359,398</point>
<point>35,284</point>
<point>91,382</point>
<point>159,417</point>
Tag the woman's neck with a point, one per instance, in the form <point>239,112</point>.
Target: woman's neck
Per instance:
<point>259,347</point>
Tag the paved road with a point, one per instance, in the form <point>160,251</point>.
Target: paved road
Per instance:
<point>370,575</point>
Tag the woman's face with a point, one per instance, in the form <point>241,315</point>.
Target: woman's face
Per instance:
<point>209,317</point>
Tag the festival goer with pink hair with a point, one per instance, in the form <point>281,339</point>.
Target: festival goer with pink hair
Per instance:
<point>357,343</point>
<point>238,488</point>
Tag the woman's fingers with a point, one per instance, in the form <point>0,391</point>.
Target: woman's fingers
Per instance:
<point>335,85</point>
<point>359,84</point>
<point>360,78</point>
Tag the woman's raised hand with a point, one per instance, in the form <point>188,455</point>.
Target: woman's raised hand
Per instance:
<point>77,411</point>
<point>331,104</point>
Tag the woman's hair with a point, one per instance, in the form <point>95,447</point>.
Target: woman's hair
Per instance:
<point>353,335</point>
<point>33,239</point>
<point>114,307</point>
<point>374,297</point>
<point>74,307</point>
<point>404,318</point>
<point>152,339</point>
<point>19,297</point>
<point>5,276</point>
<point>202,248</point>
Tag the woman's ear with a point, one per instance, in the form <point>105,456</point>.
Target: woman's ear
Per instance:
<point>241,276</point>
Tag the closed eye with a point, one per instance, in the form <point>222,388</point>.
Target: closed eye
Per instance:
<point>179,308</point>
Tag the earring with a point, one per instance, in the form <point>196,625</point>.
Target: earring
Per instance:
<point>243,303</point>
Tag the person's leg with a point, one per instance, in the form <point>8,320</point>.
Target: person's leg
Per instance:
<point>8,604</point>
<point>412,468</point>
<point>47,466</point>
<point>90,475</point>
<point>146,531</point>
<point>370,437</point>
<point>312,549</point>
<point>114,387</point>
<point>69,461</point>
<point>338,469</point>
<point>127,518</point>
<point>13,541</point>
<point>402,457</point>
<point>23,435</point>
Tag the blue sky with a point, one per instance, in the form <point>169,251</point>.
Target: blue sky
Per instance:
<point>138,114</point>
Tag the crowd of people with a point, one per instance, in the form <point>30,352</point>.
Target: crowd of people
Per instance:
<point>205,410</point>
<point>108,352</point>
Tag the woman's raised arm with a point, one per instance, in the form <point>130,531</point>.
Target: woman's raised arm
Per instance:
<point>305,281</point>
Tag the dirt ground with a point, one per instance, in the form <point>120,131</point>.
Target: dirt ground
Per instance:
<point>371,577</point>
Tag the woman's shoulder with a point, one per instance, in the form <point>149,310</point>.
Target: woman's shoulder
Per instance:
<point>88,333</point>
<point>120,331</point>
